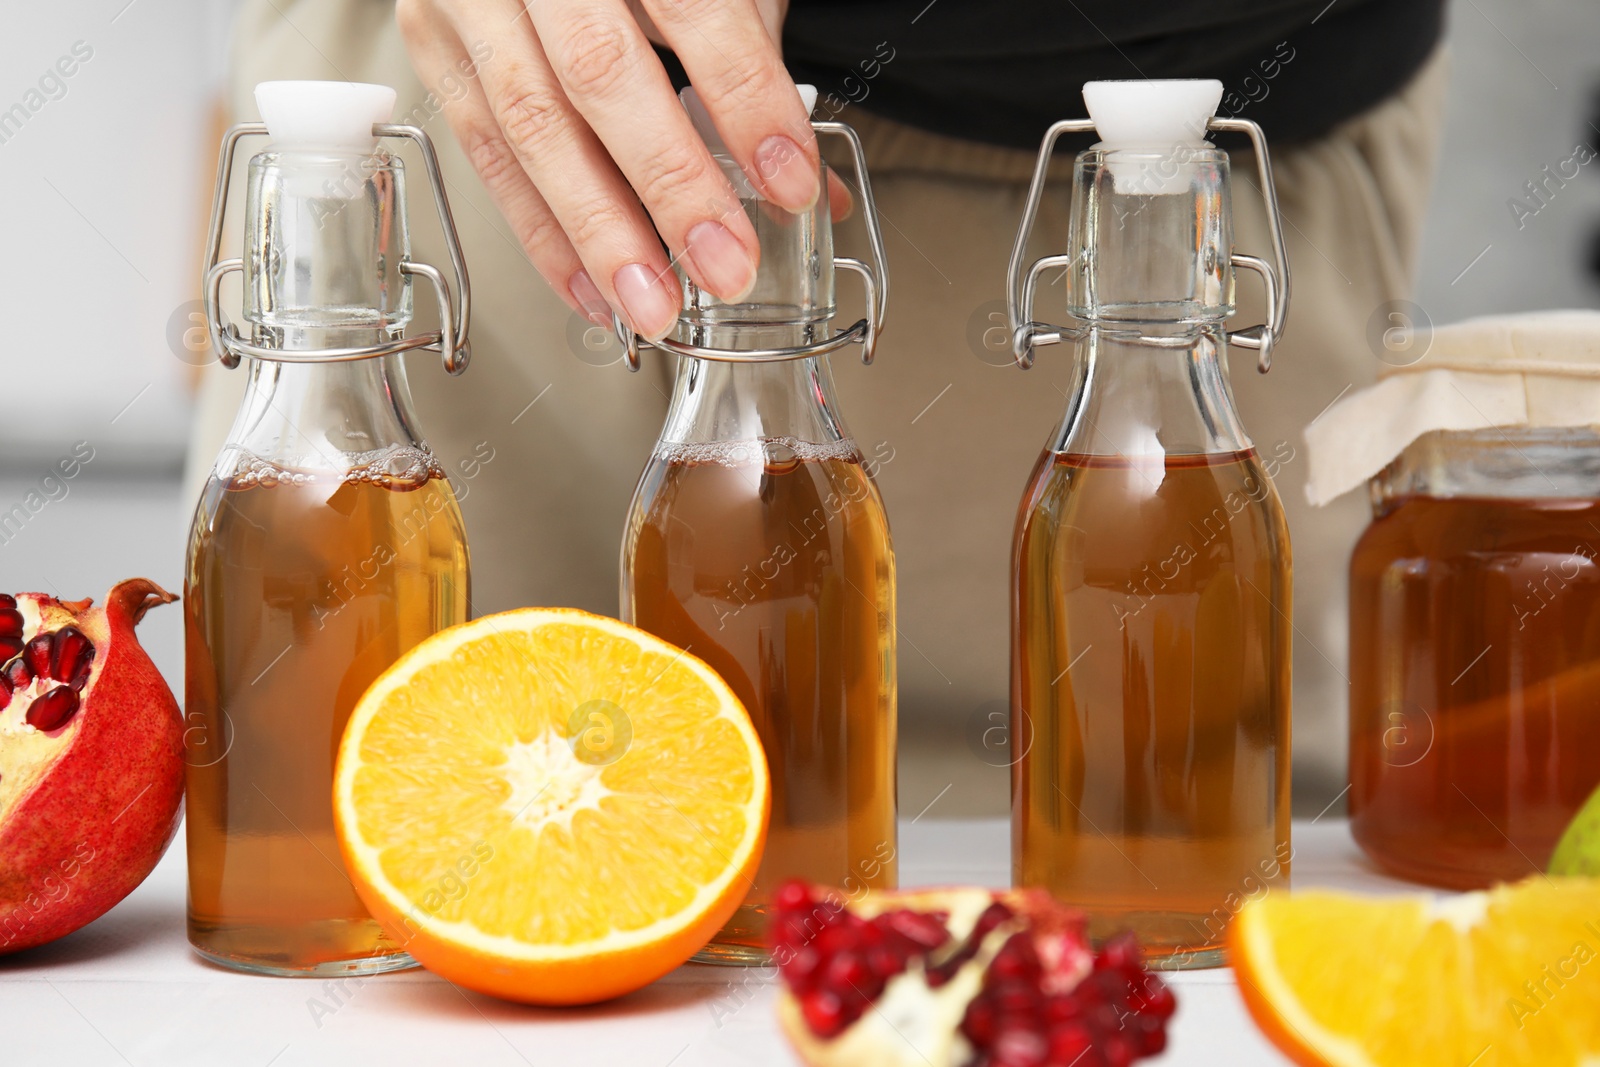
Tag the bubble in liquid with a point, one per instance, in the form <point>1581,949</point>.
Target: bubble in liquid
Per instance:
<point>766,450</point>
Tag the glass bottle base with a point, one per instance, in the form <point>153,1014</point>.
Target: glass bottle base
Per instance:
<point>329,948</point>
<point>368,965</point>
<point>742,941</point>
<point>1168,940</point>
<point>723,955</point>
<point>1199,960</point>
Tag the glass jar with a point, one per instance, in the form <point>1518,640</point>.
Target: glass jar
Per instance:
<point>1475,653</point>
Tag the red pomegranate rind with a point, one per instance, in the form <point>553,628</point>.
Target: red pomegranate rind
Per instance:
<point>96,821</point>
<point>1028,990</point>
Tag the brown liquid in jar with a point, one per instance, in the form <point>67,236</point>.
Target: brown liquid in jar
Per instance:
<point>1474,684</point>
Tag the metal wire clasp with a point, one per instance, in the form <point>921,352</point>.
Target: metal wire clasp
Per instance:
<point>874,280</point>
<point>450,340</point>
<point>1021,283</point>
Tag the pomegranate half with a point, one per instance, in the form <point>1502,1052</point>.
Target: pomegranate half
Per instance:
<point>91,760</point>
<point>960,977</point>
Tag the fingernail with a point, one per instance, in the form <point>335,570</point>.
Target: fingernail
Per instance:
<point>789,179</point>
<point>650,306</point>
<point>587,294</point>
<point>721,261</point>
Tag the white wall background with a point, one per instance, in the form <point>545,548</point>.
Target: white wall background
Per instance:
<point>102,196</point>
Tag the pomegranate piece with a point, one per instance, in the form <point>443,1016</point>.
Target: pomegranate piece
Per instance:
<point>38,653</point>
<point>959,978</point>
<point>16,674</point>
<point>72,650</point>
<point>53,710</point>
<point>91,761</point>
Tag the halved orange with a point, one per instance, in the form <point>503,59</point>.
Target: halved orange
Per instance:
<point>550,806</point>
<point>1506,977</point>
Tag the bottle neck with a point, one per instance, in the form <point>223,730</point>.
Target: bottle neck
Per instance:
<point>1151,390</point>
<point>325,417</point>
<point>790,305</point>
<point>716,401</point>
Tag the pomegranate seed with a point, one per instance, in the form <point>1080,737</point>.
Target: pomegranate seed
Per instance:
<point>790,931</point>
<point>5,693</point>
<point>1153,1041</point>
<point>1063,1007</point>
<point>979,1022</point>
<point>1016,998</point>
<point>10,620</point>
<point>1069,1042</point>
<point>1105,1018</point>
<point>823,1012</point>
<point>18,673</point>
<point>1016,959</point>
<point>802,967</point>
<point>848,971</point>
<point>10,647</point>
<point>54,709</point>
<point>1121,953</point>
<point>1020,1048</point>
<point>792,896</point>
<point>1118,1051</point>
<point>72,648</point>
<point>38,653</point>
<point>884,962</point>
<point>835,939</point>
<point>1155,998</point>
<point>7,600</point>
<point>992,916</point>
<point>923,930</point>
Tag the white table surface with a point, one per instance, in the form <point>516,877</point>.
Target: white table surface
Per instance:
<point>126,990</point>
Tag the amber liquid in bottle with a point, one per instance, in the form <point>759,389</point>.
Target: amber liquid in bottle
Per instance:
<point>1474,684</point>
<point>771,561</point>
<point>1151,693</point>
<point>302,588</point>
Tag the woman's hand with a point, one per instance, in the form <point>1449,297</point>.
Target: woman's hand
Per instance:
<point>575,130</point>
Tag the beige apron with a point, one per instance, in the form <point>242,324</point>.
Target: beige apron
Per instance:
<point>957,428</point>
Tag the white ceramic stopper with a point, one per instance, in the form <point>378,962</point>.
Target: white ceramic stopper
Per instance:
<point>336,116</point>
<point>1153,115</point>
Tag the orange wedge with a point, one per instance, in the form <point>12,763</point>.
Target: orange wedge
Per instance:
<point>1503,978</point>
<point>550,806</point>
